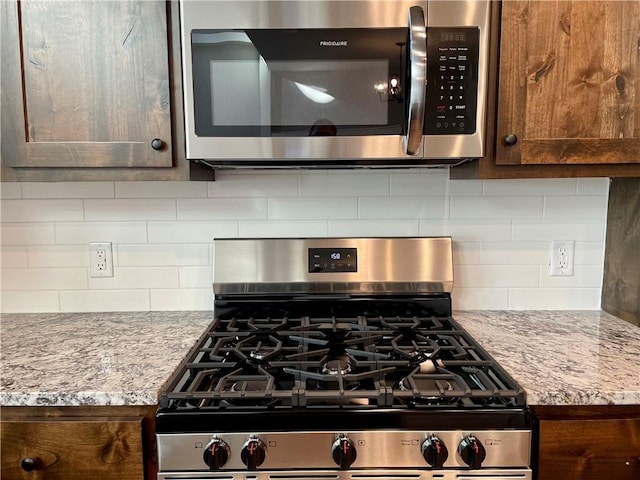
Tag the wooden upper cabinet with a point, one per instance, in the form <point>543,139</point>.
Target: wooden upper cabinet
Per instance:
<point>85,84</point>
<point>569,83</point>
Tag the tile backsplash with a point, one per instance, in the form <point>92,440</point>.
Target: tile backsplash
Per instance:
<point>162,234</point>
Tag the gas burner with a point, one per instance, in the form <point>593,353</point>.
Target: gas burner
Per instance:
<point>258,349</point>
<point>415,347</point>
<point>337,366</point>
<point>260,355</point>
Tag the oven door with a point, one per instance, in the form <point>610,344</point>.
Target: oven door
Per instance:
<point>297,87</point>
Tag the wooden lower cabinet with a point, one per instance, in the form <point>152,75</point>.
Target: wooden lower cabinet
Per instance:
<point>45,444</point>
<point>588,443</point>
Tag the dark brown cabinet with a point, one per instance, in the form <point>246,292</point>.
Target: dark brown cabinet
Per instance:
<point>589,443</point>
<point>76,443</point>
<point>88,91</point>
<point>567,90</point>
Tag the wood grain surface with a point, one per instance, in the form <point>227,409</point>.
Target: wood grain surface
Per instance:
<point>73,449</point>
<point>569,82</point>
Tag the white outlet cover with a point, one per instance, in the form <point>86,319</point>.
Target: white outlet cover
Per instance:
<point>100,259</point>
<point>561,258</point>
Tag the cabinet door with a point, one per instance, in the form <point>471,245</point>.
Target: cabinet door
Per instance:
<point>569,83</point>
<point>589,449</point>
<point>85,84</point>
<point>72,449</point>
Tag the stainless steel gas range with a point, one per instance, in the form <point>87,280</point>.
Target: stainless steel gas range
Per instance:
<point>339,358</point>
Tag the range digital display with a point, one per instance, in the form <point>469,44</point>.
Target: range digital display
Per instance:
<point>332,260</point>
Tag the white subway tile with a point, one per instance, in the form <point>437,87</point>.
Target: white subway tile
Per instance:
<point>136,278</point>
<point>514,253</point>
<point>373,228</point>
<point>114,232</point>
<point>554,298</point>
<point>490,276</point>
<point>353,185</point>
<point>404,207</point>
<point>161,189</point>
<point>27,233</point>
<point>10,190</point>
<point>58,256</point>
<point>196,277</point>
<point>13,256</point>
<point>41,210</point>
<point>254,185</point>
<point>522,187</point>
<point>190,232</point>
<point>480,298</point>
<point>282,229</point>
<point>593,186</point>
<point>163,255</point>
<point>583,206</point>
<point>467,230</point>
<point>104,301</point>
<point>44,278</point>
<point>465,253</point>
<point>222,209</point>
<point>127,209</point>
<point>29,301</point>
<point>589,253</point>
<point>67,190</point>
<point>584,276</point>
<point>459,188</point>
<point>547,230</point>
<point>496,207</point>
<point>417,184</point>
<point>312,208</point>
<point>182,299</point>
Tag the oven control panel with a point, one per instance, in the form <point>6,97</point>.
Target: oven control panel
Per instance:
<point>333,260</point>
<point>476,450</point>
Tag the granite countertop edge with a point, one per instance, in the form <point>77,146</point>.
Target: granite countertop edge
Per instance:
<point>558,357</point>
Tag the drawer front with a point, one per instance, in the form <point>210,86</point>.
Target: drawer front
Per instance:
<point>589,449</point>
<point>70,449</point>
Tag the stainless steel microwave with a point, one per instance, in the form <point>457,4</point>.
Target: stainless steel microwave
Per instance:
<point>326,83</point>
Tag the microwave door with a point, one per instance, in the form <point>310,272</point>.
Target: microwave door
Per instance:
<point>417,55</point>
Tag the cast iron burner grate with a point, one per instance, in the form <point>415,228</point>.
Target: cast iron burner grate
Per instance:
<point>253,359</point>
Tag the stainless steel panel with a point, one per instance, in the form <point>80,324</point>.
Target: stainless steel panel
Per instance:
<point>385,265</point>
<point>377,474</point>
<point>447,13</point>
<point>375,449</point>
<point>418,61</point>
<point>375,151</point>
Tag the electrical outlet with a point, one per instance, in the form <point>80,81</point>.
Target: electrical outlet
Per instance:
<point>561,258</point>
<point>100,259</point>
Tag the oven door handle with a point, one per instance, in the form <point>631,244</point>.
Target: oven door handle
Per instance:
<point>417,55</point>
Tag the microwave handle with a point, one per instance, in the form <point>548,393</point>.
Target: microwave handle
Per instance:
<point>417,54</point>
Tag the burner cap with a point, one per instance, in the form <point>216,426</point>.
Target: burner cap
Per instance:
<point>260,354</point>
<point>336,367</point>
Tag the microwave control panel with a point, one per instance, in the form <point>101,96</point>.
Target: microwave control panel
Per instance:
<point>452,80</point>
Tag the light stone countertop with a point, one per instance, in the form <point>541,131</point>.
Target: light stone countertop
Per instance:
<point>563,357</point>
<point>56,359</point>
<point>69,359</point>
